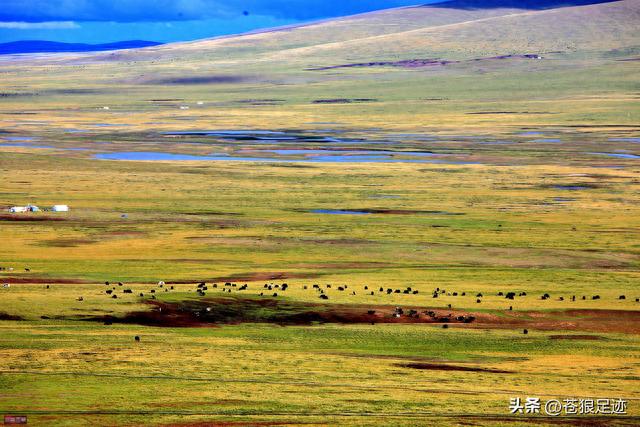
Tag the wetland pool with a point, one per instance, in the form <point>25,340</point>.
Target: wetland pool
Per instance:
<point>333,158</point>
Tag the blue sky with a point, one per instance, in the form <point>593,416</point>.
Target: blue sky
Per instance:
<point>101,21</point>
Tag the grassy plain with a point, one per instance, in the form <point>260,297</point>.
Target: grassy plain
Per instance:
<point>515,201</point>
<point>189,222</point>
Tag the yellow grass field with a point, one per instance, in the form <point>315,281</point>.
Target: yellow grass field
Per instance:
<point>452,234</point>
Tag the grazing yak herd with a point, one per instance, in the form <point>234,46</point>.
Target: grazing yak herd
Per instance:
<point>272,290</point>
<point>275,290</point>
<point>111,292</point>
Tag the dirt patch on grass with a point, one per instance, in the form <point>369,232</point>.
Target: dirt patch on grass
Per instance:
<point>244,277</point>
<point>405,63</point>
<point>607,321</point>
<point>29,218</point>
<point>345,265</point>
<point>447,367</point>
<point>43,280</point>
<point>576,337</point>
<point>198,404</point>
<point>212,213</point>
<point>524,56</point>
<point>261,102</point>
<point>235,309</point>
<point>125,233</point>
<point>204,221</point>
<point>383,211</point>
<point>343,100</point>
<point>590,421</point>
<point>200,80</point>
<point>264,276</point>
<point>5,316</point>
<point>347,242</point>
<point>17,94</point>
<point>421,63</point>
<point>409,212</point>
<point>509,112</point>
<point>233,424</point>
<point>255,241</point>
<point>66,243</point>
<point>205,311</point>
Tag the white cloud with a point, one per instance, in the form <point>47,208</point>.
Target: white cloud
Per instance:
<point>49,25</point>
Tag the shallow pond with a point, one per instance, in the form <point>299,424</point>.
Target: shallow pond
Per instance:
<point>158,156</point>
<point>48,147</point>
<point>259,136</point>
<point>385,196</point>
<point>496,142</point>
<point>619,155</point>
<point>335,158</point>
<point>297,152</point>
<point>339,212</point>
<point>571,187</point>
<point>634,140</point>
<point>531,133</point>
<point>18,138</point>
<point>547,140</point>
<point>27,146</point>
<point>109,125</point>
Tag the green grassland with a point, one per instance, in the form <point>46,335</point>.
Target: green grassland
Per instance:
<point>204,221</point>
<point>297,375</point>
<point>499,211</point>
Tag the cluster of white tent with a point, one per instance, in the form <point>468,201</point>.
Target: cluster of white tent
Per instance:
<point>33,208</point>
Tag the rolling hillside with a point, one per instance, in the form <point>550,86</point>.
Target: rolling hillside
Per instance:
<point>450,30</point>
<point>534,58</point>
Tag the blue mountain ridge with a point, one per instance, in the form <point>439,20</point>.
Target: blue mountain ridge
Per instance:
<point>42,46</point>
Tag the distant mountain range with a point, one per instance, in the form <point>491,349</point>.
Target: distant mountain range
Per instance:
<point>513,4</point>
<point>41,46</point>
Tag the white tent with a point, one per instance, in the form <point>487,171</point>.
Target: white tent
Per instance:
<point>60,208</point>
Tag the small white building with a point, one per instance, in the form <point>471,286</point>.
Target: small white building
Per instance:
<point>60,208</point>
<point>20,209</point>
